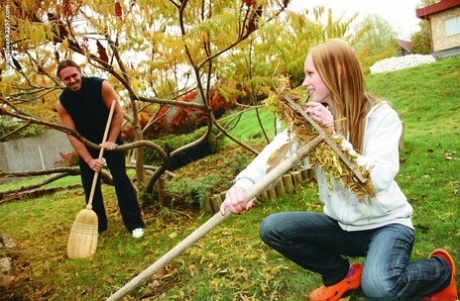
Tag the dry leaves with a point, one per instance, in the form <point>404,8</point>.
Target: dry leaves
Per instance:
<point>323,154</point>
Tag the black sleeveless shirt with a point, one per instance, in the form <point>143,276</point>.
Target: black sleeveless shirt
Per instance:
<point>87,108</point>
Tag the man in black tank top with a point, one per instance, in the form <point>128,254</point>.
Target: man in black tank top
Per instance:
<point>84,106</point>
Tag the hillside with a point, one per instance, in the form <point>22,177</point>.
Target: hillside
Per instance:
<point>231,263</point>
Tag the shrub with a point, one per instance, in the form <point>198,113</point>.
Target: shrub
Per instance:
<point>171,142</point>
<point>7,127</point>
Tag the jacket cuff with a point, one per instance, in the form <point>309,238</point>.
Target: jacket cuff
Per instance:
<point>243,182</point>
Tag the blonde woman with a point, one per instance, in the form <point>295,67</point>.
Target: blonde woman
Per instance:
<point>379,229</point>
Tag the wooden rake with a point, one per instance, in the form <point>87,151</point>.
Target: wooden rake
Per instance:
<point>252,192</point>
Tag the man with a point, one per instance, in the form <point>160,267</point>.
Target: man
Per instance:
<point>84,106</point>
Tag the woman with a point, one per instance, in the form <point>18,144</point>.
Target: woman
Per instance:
<point>379,228</point>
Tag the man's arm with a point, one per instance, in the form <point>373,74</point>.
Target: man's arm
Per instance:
<point>108,95</point>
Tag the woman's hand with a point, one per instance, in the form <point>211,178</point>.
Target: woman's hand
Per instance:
<point>319,114</point>
<point>359,160</point>
<point>235,201</point>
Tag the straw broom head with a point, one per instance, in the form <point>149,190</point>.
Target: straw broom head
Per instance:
<point>83,235</point>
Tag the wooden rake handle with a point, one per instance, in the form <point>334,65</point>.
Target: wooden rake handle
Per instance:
<point>252,192</point>
<point>101,153</point>
<point>322,133</point>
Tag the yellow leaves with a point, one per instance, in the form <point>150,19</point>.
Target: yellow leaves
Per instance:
<point>138,85</point>
<point>34,34</point>
<point>204,36</point>
<point>330,162</point>
<point>65,44</point>
<point>445,216</point>
<point>5,84</point>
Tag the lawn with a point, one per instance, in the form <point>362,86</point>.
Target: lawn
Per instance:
<point>231,262</point>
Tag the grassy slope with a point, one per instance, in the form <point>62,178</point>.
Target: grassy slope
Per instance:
<point>231,263</point>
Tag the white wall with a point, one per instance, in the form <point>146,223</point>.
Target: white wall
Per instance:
<point>34,153</point>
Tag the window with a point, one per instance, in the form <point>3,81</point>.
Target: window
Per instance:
<point>452,26</point>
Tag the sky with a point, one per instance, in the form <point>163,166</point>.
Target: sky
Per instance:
<point>400,14</point>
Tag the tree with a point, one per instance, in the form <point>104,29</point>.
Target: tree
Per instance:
<point>378,40</point>
<point>154,53</point>
<point>421,40</point>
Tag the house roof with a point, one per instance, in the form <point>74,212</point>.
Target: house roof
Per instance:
<point>406,45</point>
<point>425,12</point>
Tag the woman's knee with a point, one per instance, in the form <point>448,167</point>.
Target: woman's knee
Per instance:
<point>272,230</point>
<point>266,229</point>
<point>375,287</point>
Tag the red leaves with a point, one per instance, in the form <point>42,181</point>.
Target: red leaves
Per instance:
<point>118,10</point>
<point>252,24</point>
<point>251,27</point>
<point>190,96</point>
<point>102,53</point>
<point>249,3</point>
<point>66,8</point>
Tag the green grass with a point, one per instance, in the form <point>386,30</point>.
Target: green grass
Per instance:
<point>66,181</point>
<point>231,262</point>
<point>248,127</point>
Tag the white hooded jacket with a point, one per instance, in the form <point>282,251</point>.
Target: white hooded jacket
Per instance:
<point>380,150</point>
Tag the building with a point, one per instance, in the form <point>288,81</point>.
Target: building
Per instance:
<point>405,48</point>
<point>444,20</point>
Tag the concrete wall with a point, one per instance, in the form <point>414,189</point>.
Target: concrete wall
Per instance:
<point>34,153</point>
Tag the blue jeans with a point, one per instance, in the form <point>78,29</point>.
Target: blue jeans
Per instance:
<point>317,243</point>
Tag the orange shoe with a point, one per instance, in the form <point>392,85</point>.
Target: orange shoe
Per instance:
<point>450,293</point>
<point>336,291</point>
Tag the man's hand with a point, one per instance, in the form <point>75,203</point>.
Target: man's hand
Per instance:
<point>109,145</point>
<point>96,164</point>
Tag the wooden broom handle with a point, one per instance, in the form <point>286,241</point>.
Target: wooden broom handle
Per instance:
<point>101,153</point>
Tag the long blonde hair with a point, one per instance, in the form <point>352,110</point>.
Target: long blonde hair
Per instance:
<point>340,70</point>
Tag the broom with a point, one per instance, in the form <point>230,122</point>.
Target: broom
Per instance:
<point>83,235</point>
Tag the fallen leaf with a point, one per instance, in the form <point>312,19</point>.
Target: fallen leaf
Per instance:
<point>278,155</point>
